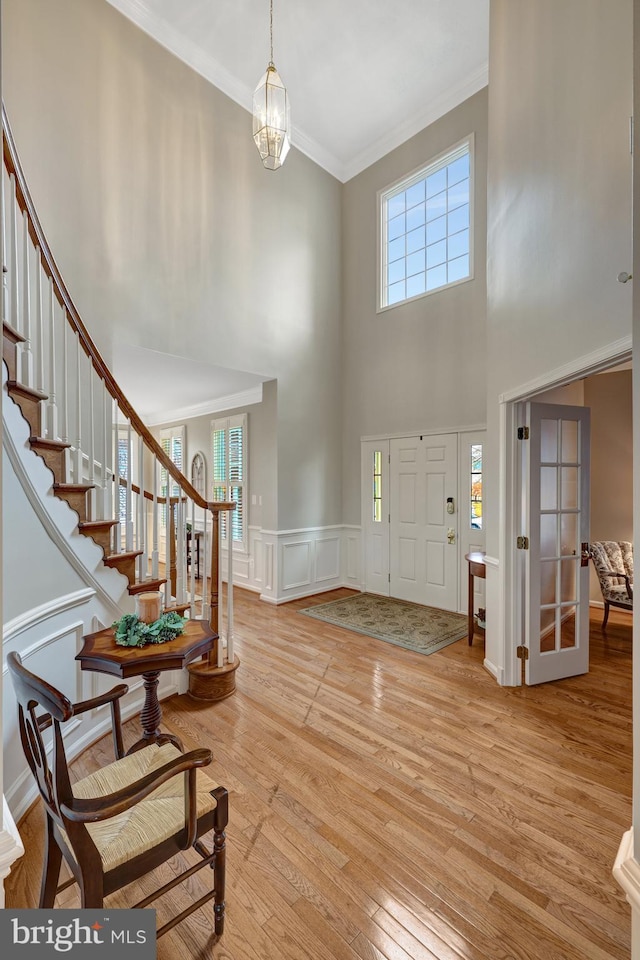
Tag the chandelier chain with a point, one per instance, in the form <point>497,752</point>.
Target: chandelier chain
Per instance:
<point>271,29</point>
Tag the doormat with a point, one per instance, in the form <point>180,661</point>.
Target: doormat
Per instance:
<point>410,625</point>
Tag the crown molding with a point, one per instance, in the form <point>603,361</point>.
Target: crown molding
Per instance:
<point>413,125</point>
<point>141,13</point>
<point>244,399</point>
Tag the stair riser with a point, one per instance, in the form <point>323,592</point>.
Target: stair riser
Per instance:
<point>31,410</point>
<point>10,357</point>
<point>76,500</point>
<point>54,459</point>
<point>126,566</point>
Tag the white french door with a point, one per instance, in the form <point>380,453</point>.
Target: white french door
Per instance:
<point>556,562</point>
<point>423,526</point>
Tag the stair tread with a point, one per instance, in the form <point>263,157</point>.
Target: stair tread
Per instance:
<point>130,555</point>
<point>14,387</point>
<point>11,333</point>
<point>74,487</point>
<point>96,524</point>
<point>142,585</point>
<point>51,444</point>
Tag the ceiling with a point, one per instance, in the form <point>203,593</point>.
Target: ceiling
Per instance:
<point>362,75</point>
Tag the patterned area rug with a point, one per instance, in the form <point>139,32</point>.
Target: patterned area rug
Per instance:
<point>410,625</point>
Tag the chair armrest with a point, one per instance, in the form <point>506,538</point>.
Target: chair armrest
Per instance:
<point>110,697</point>
<point>623,576</point>
<point>94,809</point>
<point>114,694</point>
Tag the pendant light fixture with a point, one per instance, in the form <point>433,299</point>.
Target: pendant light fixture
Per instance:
<point>271,120</point>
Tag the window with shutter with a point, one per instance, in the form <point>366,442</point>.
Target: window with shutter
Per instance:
<point>172,440</point>
<point>229,450</point>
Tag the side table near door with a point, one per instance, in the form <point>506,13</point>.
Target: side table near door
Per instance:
<point>477,568</point>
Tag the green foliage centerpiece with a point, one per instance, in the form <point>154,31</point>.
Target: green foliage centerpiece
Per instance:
<point>133,632</point>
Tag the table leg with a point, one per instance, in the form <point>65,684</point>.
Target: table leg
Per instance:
<point>151,716</point>
<point>471,601</point>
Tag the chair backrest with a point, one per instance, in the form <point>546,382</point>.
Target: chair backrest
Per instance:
<point>612,555</point>
<point>41,706</point>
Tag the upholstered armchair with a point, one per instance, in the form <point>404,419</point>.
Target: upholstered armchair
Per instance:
<point>613,561</point>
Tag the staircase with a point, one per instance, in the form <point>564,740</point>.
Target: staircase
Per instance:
<point>129,496</point>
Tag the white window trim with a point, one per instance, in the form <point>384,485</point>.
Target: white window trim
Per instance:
<point>407,180</point>
<point>226,423</point>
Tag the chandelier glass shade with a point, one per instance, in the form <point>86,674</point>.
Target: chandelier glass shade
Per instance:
<point>271,117</point>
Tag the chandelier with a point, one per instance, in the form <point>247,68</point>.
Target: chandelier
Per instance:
<point>271,120</point>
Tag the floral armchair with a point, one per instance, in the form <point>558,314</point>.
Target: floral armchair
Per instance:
<point>613,561</point>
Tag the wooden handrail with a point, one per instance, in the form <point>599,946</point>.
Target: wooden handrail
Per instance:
<point>215,505</point>
<point>25,203</point>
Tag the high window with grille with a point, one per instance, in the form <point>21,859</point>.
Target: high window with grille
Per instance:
<point>229,449</point>
<point>426,228</point>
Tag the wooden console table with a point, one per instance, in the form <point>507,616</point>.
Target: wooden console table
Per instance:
<point>100,652</point>
<point>477,568</point>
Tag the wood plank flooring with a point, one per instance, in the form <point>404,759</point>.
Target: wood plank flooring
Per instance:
<point>391,806</point>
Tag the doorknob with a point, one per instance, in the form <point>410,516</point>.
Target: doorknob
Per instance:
<point>624,277</point>
<point>451,535</point>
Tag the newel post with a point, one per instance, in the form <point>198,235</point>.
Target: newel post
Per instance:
<point>214,677</point>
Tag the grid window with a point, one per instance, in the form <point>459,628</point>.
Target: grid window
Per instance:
<point>425,229</point>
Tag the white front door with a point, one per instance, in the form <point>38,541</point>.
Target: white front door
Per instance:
<point>375,515</point>
<point>556,561</point>
<point>423,526</point>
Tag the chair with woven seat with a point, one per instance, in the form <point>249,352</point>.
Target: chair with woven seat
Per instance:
<point>129,817</point>
<point>613,562</point>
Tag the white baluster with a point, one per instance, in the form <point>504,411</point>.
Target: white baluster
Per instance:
<point>78,466</point>
<point>142,516</point>
<point>192,548</point>
<point>106,451</point>
<point>13,223</point>
<point>27,355</point>
<point>52,406</point>
<point>155,556</point>
<point>129,491</point>
<point>206,607</point>
<point>39,325</point>
<point>181,539</point>
<point>117,531</point>
<point>229,595</point>
<point>65,378</point>
<point>5,268</point>
<point>92,439</point>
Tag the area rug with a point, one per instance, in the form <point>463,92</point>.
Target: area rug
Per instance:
<point>410,625</point>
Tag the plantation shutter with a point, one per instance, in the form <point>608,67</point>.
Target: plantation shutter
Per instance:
<point>229,449</point>
<point>172,441</point>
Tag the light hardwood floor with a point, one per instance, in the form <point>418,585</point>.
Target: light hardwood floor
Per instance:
<point>388,806</point>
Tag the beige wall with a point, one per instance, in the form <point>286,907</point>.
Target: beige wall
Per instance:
<point>559,216</point>
<point>169,232</point>
<point>421,365</point>
<point>609,397</point>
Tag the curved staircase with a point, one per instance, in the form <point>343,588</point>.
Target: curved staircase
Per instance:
<point>129,497</point>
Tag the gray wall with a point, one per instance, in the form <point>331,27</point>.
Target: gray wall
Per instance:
<point>421,365</point>
<point>262,466</point>
<point>559,206</point>
<point>169,232</point>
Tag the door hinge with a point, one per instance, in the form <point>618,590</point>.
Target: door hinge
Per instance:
<point>389,577</point>
<point>522,652</point>
<point>522,543</point>
<point>523,433</point>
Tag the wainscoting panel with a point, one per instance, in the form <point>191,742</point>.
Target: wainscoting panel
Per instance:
<point>296,559</point>
<point>327,566</point>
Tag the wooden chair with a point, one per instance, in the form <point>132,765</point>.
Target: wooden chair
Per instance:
<point>125,819</point>
<point>613,562</point>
